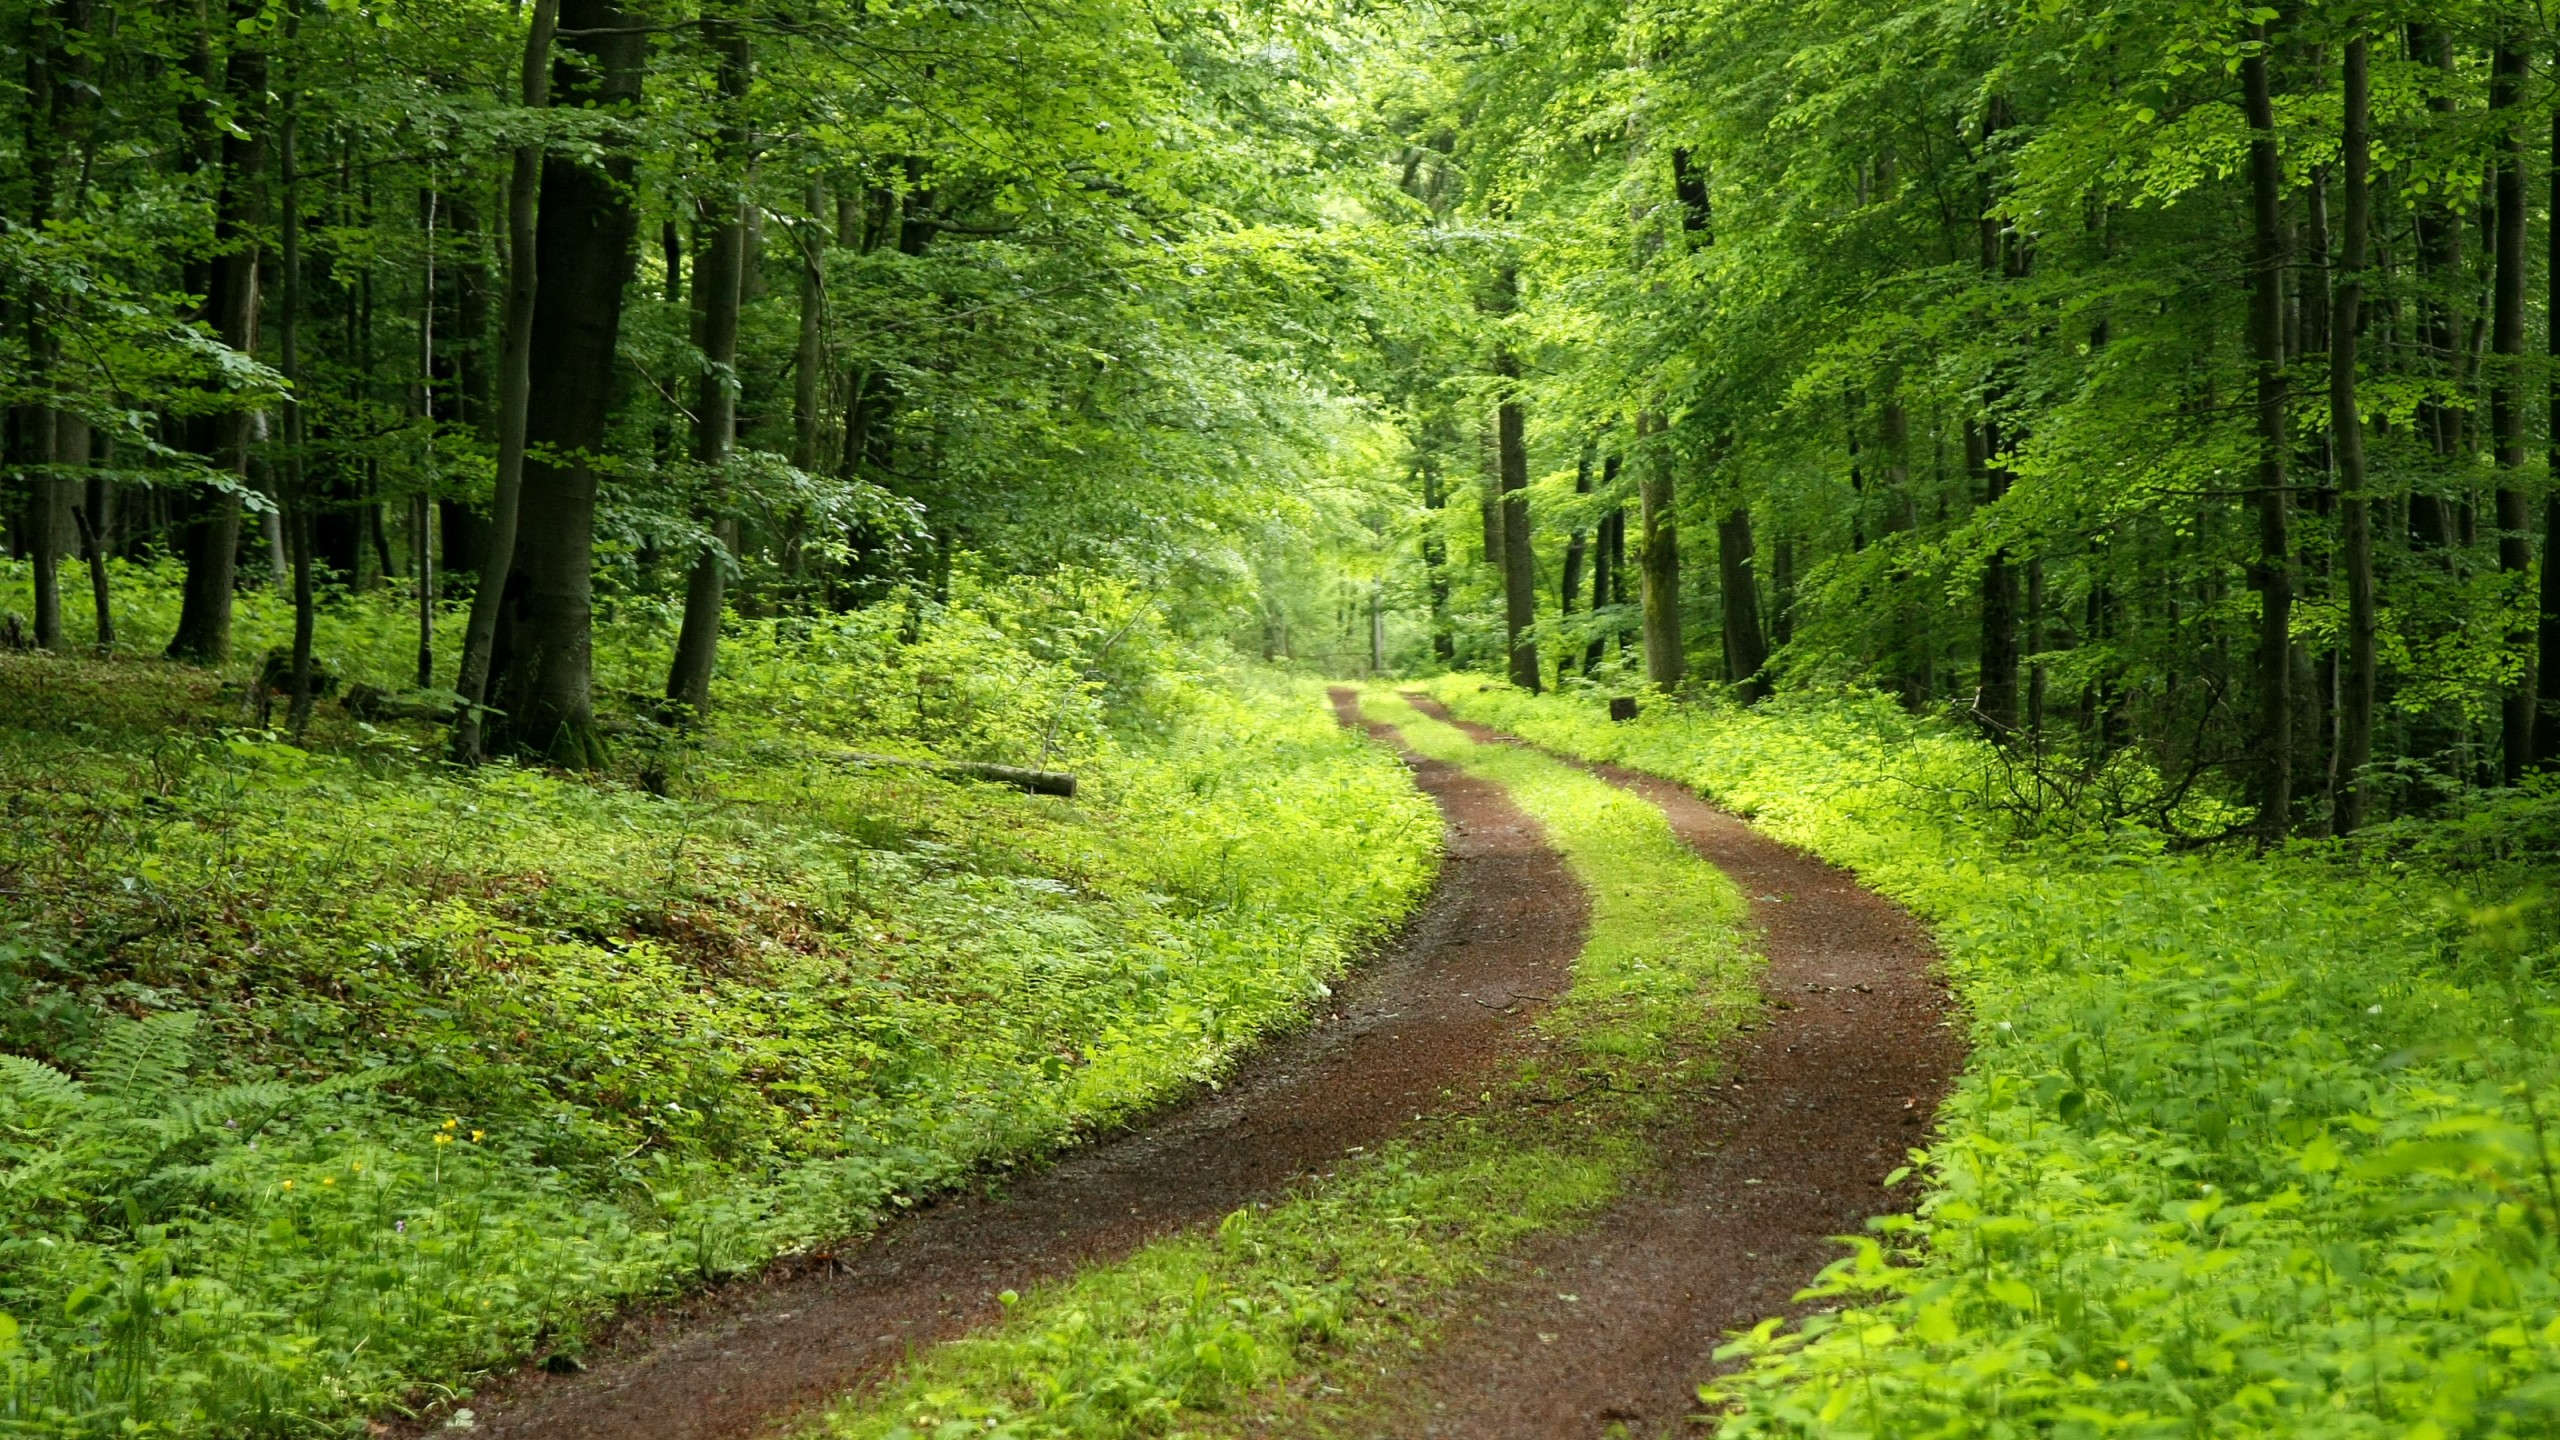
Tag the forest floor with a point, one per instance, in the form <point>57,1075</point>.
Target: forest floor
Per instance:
<point>1444,1007</point>
<point>1596,1328</point>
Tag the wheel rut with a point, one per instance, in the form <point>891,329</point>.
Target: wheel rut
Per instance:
<point>1821,1102</point>
<point>1407,1028</point>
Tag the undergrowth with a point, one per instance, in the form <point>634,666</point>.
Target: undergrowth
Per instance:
<point>1322,1293</point>
<point>333,1075</point>
<point>2245,1146</point>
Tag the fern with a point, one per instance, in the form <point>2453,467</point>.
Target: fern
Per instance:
<point>32,1082</point>
<point>143,1060</point>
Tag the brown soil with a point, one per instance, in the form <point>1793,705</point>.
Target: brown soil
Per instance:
<point>1608,1330</point>
<point>1436,1013</point>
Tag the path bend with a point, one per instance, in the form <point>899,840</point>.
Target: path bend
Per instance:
<point>1401,1033</point>
<point>1823,1101</point>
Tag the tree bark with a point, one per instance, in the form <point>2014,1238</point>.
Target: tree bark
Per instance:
<point>2274,567</point>
<point>2506,397</point>
<point>1608,560</point>
<point>810,359</point>
<point>1435,559</point>
<point>210,541</point>
<point>1746,645</point>
<point>718,282</point>
<point>1658,556</point>
<point>2439,236</point>
<point>1996,696</point>
<point>1519,564</point>
<point>1576,554</point>
<point>2546,731</point>
<point>2346,439</point>
<point>583,257</point>
<point>515,381</point>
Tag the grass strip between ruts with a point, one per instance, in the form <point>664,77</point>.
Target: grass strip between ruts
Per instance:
<point>2246,1145</point>
<point>1291,1312</point>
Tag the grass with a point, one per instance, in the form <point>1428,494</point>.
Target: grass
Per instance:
<point>2246,1146</point>
<point>1297,1313</point>
<point>329,1076</point>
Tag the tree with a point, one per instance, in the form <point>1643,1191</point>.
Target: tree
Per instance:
<point>583,260</point>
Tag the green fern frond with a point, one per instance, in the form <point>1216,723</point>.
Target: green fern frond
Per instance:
<point>33,1082</point>
<point>139,1061</point>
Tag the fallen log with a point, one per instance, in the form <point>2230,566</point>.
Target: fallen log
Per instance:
<point>1033,782</point>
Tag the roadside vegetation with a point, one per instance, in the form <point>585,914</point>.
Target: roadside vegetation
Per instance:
<point>333,1073</point>
<point>1294,1310</point>
<point>2246,1145</point>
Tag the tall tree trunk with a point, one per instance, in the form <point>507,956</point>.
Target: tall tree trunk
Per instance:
<point>1658,556</point>
<point>1996,697</point>
<point>1911,612</point>
<point>1519,564</point>
<point>39,441</point>
<point>515,382</point>
<point>2439,238</point>
<point>57,101</point>
<point>1746,646</point>
<point>95,519</point>
<point>2506,397</point>
<point>2346,438</point>
<point>210,543</point>
<point>1608,559</point>
<point>2274,567</point>
<point>1576,551</point>
<point>583,253</point>
<point>1782,591</point>
<point>298,499</point>
<point>718,281</point>
<point>1435,560</point>
<point>809,360</point>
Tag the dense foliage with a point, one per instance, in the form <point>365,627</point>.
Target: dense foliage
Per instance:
<point>331,1072</point>
<point>2159,378</point>
<point>2244,1147</point>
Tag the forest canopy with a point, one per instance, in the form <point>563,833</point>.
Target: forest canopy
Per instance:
<point>2160,385</point>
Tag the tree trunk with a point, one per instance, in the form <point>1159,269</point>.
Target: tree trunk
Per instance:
<point>34,449</point>
<point>1911,612</point>
<point>1608,559</point>
<point>2506,397</point>
<point>1519,564</point>
<point>718,283</point>
<point>1996,696</point>
<point>96,524</point>
<point>2274,567</point>
<point>583,256</point>
<point>515,378</point>
<point>210,542</point>
<point>2439,270</point>
<point>1435,561</point>
<point>1746,647</point>
<point>2346,439</point>
<point>1576,553</point>
<point>1658,556</point>
<point>811,357</point>
<point>1782,592</point>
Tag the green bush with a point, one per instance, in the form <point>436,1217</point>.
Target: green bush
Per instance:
<point>2245,1145</point>
<point>335,1074</point>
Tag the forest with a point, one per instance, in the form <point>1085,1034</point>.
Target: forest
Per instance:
<point>1497,719</point>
